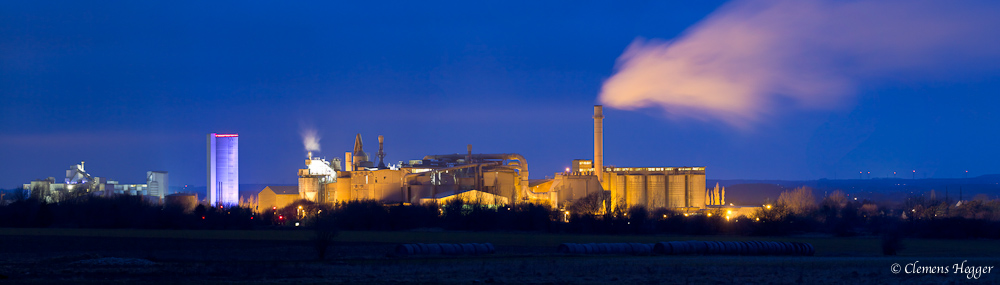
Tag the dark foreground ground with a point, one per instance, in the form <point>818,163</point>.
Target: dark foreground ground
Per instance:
<point>138,256</point>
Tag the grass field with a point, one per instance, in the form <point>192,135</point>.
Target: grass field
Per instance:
<point>825,246</point>
<point>286,256</point>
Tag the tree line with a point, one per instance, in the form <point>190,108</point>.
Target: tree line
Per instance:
<point>795,212</point>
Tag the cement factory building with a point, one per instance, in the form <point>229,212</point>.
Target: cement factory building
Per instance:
<point>496,179</point>
<point>490,178</point>
<point>681,188</point>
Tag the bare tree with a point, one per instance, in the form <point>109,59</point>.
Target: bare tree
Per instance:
<point>798,201</point>
<point>19,194</point>
<point>836,200</point>
<point>592,204</point>
<point>326,231</point>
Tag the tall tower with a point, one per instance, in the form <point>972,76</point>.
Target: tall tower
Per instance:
<point>599,142</point>
<point>223,169</point>
<point>380,153</point>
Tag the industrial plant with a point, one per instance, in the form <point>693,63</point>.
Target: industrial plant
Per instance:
<point>493,179</point>
<point>79,182</point>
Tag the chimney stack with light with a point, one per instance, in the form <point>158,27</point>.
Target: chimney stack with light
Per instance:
<point>598,141</point>
<point>381,154</point>
<point>468,155</point>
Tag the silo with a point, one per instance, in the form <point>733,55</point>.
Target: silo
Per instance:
<point>309,188</point>
<point>185,201</point>
<point>696,190</point>
<point>656,191</point>
<point>620,192</point>
<point>676,185</point>
<point>636,185</point>
<point>610,185</point>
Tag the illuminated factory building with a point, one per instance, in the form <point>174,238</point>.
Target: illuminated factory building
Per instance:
<point>490,178</point>
<point>223,169</point>
<point>679,188</point>
<point>651,187</point>
<point>498,179</point>
<point>78,182</point>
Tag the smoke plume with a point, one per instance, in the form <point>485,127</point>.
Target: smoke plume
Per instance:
<point>753,57</point>
<point>310,139</point>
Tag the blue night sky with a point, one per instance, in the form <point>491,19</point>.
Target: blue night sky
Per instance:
<point>133,86</point>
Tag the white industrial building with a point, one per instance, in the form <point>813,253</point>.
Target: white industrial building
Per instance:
<point>79,182</point>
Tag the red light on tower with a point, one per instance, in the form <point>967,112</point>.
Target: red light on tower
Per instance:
<point>226,135</point>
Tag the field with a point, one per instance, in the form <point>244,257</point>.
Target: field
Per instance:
<point>287,256</point>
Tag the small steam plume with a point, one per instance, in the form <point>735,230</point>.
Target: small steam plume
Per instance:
<point>751,57</point>
<point>310,139</point>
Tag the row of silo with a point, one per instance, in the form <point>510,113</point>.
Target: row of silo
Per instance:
<point>658,190</point>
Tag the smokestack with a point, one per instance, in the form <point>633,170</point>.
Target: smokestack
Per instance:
<point>468,156</point>
<point>380,154</point>
<point>348,166</point>
<point>598,141</point>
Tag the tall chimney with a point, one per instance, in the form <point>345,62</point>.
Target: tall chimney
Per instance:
<point>468,156</point>
<point>598,141</point>
<point>380,154</point>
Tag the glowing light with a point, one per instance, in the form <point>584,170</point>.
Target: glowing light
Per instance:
<point>685,214</point>
<point>226,135</point>
<point>710,214</point>
<point>767,206</point>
